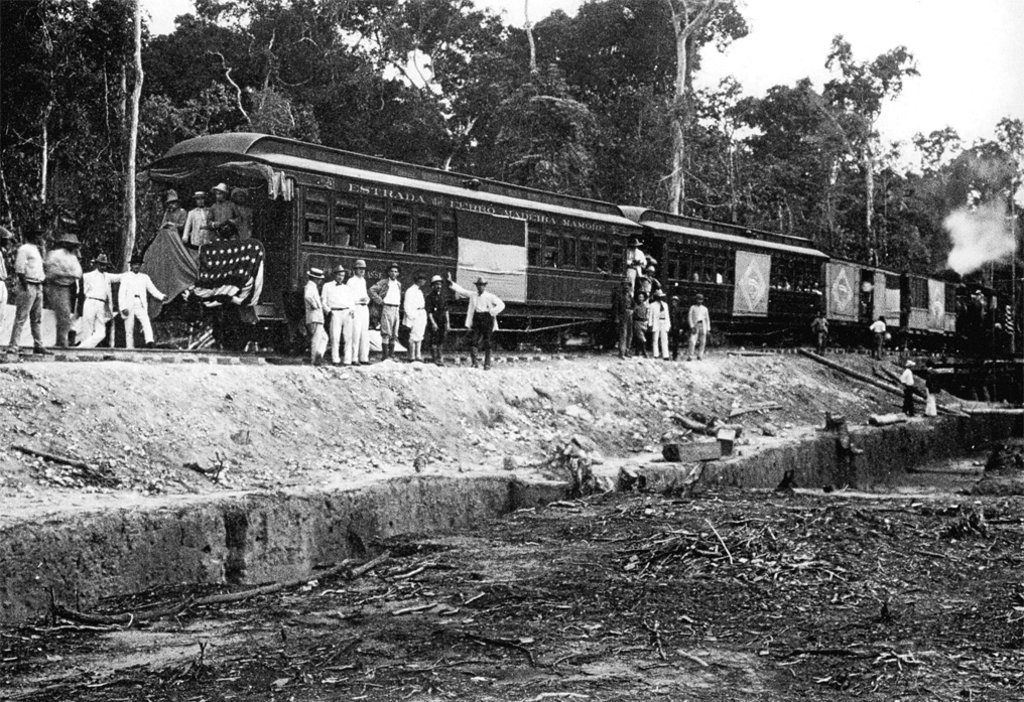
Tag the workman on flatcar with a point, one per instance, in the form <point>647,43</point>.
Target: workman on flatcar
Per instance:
<point>197,232</point>
<point>336,299</point>
<point>636,261</point>
<point>622,316</point>
<point>438,320</point>
<point>359,348</point>
<point>386,294</point>
<point>175,216</point>
<point>641,320</point>
<point>878,328</point>
<point>415,309</point>
<point>315,316</point>
<point>481,317</point>
<point>660,324</point>
<point>700,326</point>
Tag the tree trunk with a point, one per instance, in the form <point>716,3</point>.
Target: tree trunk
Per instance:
<point>869,195</point>
<point>133,141</point>
<point>529,38</point>
<point>44,166</point>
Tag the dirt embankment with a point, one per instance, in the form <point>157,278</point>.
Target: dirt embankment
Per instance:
<point>139,426</point>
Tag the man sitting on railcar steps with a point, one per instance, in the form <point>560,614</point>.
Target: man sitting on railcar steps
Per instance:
<point>386,293</point>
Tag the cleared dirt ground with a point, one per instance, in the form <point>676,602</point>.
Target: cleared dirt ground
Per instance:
<point>727,596</point>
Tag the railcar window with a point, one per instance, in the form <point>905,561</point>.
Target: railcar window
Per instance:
<point>449,237</point>
<point>601,260</point>
<point>618,256</point>
<point>426,230</point>
<point>919,292</point>
<point>550,250</point>
<point>586,253</point>
<point>401,227</point>
<point>346,220</point>
<point>315,214</point>
<point>374,223</point>
<point>568,249</point>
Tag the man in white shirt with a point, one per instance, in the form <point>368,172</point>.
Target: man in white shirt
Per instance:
<point>481,317</point>
<point>359,348</point>
<point>660,323</point>
<point>907,382</point>
<point>98,305</point>
<point>415,308</point>
<point>386,293</point>
<point>314,307</point>
<point>337,302</point>
<point>635,264</point>
<point>197,230</point>
<point>879,329</point>
<point>28,266</point>
<point>700,326</point>
<point>133,302</point>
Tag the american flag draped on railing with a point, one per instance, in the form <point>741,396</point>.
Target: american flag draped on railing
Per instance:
<point>230,272</point>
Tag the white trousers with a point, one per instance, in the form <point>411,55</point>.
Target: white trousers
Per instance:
<point>93,324</point>
<point>357,346</point>
<point>698,339</point>
<point>341,329</point>
<point>660,342</point>
<point>3,301</point>
<point>137,313</point>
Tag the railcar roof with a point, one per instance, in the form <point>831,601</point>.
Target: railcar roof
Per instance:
<point>313,158</point>
<point>644,215</point>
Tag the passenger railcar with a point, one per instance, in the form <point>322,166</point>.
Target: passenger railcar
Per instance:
<point>553,258</point>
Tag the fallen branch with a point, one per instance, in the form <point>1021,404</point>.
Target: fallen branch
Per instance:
<point>504,643</point>
<point>52,457</point>
<point>129,618</point>
<point>719,537</point>
<point>699,661</point>
<point>755,408</point>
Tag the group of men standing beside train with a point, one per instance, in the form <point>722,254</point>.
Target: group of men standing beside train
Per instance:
<point>650,323</point>
<point>337,314</point>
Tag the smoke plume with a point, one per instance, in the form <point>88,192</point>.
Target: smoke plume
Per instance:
<point>979,236</point>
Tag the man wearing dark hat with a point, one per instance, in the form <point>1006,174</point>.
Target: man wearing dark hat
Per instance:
<point>6,237</point>
<point>481,317</point>
<point>386,293</point>
<point>315,316</point>
<point>359,349</point>
<point>175,215</point>
<point>197,231</point>
<point>677,315</point>
<point>28,266</point>
<point>622,315</point>
<point>700,325</point>
<point>437,318</point>
<point>63,274</point>
<point>635,264</point>
<point>337,302</point>
<point>133,303</point>
<point>98,303</point>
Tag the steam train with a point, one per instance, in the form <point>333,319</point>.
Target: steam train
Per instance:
<point>555,259</point>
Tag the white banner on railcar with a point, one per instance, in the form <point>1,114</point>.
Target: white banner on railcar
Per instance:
<point>493,248</point>
<point>843,292</point>
<point>936,305</point>
<point>753,273</point>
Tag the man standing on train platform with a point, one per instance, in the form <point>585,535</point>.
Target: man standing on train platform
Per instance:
<point>438,320</point>
<point>197,231</point>
<point>359,348</point>
<point>879,330</point>
<point>28,266</point>
<point>819,327</point>
<point>98,303</point>
<point>133,302</point>
<point>63,273</point>
<point>481,317</point>
<point>6,237</point>
<point>222,210</point>
<point>315,316</point>
<point>175,215</point>
<point>336,300</point>
<point>386,294</point>
<point>677,316</point>
<point>907,383</point>
<point>415,309</point>
<point>699,322</point>
<point>649,285</point>
<point>636,261</point>
<point>660,324</point>
<point>641,320</point>
<point>622,316</point>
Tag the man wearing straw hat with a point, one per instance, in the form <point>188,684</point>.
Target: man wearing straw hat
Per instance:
<point>481,317</point>
<point>359,348</point>
<point>315,316</point>
<point>98,305</point>
<point>337,302</point>
<point>635,264</point>
<point>197,232</point>
<point>63,273</point>
<point>28,266</point>
<point>175,215</point>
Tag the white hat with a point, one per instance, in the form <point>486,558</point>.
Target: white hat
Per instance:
<point>360,263</point>
<point>222,187</point>
<point>316,273</point>
<point>437,279</point>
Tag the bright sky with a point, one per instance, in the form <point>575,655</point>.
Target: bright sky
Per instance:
<point>970,55</point>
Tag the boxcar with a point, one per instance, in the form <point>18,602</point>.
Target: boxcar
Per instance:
<point>553,258</point>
